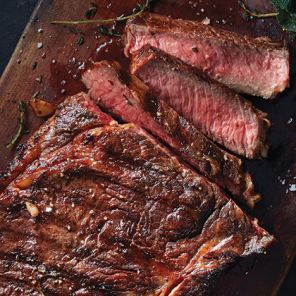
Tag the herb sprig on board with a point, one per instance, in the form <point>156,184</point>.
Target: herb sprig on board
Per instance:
<point>137,11</point>
<point>21,130</point>
<point>285,13</point>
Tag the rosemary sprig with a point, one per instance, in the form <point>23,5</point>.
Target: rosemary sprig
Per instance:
<point>140,10</point>
<point>254,13</point>
<point>21,130</point>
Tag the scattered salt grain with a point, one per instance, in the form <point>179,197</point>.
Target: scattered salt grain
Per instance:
<point>48,209</point>
<point>206,21</point>
<point>82,66</point>
<point>292,187</point>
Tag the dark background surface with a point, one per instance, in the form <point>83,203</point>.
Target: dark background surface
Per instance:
<point>14,15</point>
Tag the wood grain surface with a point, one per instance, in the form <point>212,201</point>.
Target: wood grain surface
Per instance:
<point>61,60</point>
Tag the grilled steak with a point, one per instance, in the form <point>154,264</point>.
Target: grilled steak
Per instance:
<point>254,66</point>
<point>128,98</point>
<point>114,213</point>
<point>217,111</point>
<point>75,115</point>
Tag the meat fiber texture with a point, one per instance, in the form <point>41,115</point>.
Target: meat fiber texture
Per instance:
<point>126,97</point>
<point>221,114</point>
<point>254,66</point>
<point>113,212</point>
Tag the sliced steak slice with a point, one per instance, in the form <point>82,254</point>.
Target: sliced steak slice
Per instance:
<point>128,98</point>
<point>74,115</point>
<point>255,66</point>
<point>115,212</point>
<point>217,111</point>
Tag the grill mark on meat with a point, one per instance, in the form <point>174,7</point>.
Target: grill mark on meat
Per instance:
<point>214,101</point>
<point>224,56</point>
<point>161,120</point>
<point>19,288</point>
<point>62,280</point>
<point>69,272</point>
<point>74,115</point>
<point>62,221</point>
<point>29,273</point>
<point>51,248</point>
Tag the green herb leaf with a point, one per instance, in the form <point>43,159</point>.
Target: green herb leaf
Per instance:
<point>34,65</point>
<point>80,40</point>
<point>108,31</point>
<point>92,11</point>
<point>73,30</point>
<point>282,4</point>
<point>287,20</point>
<point>286,14</point>
<point>21,130</point>
<point>140,9</point>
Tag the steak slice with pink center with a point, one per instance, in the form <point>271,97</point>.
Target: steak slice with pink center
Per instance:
<point>130,99</point>
<point>217,111</point>
<point>254,66</point>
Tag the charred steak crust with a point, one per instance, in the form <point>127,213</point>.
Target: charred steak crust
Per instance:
<point>217,111</point>
<point>255,66</point>
<point>128,98</point>
<point>118,215</point>
<point>76,114</point>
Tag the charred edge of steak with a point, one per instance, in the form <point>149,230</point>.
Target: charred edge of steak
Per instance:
<point>162,23</point>
<point>154,58</point>
<point>202,47</point>
<point>74,115</point>
<point>139,106</point>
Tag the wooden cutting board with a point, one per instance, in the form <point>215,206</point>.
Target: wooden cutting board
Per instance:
<point>52,52</point>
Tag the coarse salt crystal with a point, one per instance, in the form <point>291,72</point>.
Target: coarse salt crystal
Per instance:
<point>206,21</point>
